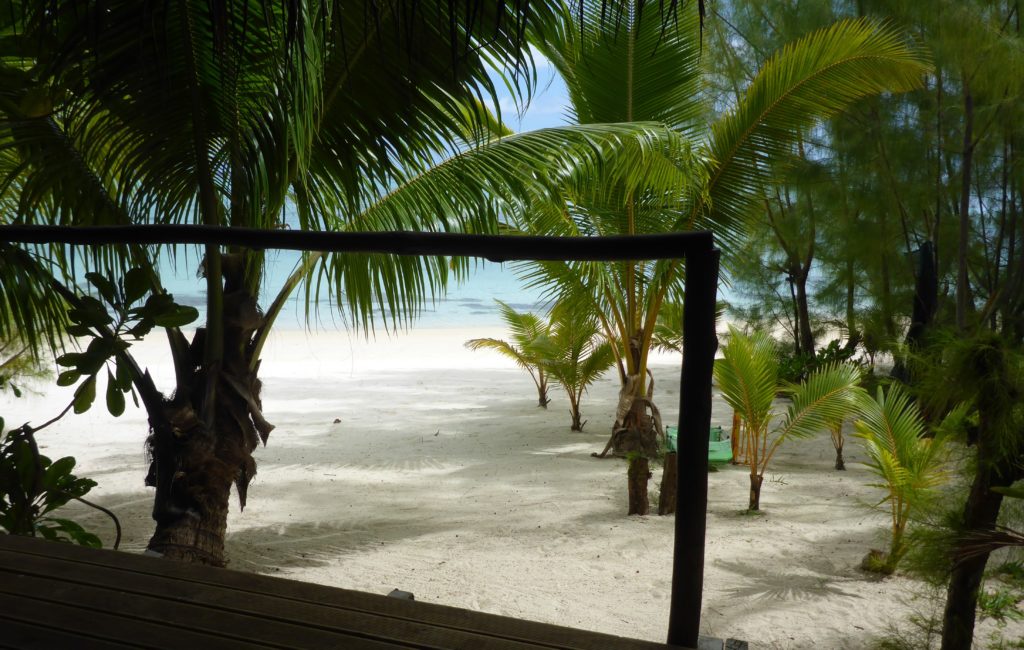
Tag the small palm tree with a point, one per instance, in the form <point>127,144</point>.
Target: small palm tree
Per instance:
<point>748,376</point>
<point>574,355</point>
<point>526,330</point>
<point>910,464</point>
<point>838,441</point>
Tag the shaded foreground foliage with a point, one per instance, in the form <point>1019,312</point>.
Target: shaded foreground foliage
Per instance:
<point>258,123</point>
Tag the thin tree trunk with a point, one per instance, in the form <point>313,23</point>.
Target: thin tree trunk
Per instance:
<point>755,492</point>
<point>887,309</point>
<point>840,463</point>
<point>574,411</point>
<point>962,286</point>
<point>980,513</point>
<point>803,313</point>
<point>851,313</point>
<point>797,339</point>
<point>638,475</point>
<point>739,456</point>
<point>667,499</point>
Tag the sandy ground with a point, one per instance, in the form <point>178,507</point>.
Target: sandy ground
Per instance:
<point>443,478</point>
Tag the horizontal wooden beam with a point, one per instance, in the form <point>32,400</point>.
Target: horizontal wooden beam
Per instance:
<point>497,248</point>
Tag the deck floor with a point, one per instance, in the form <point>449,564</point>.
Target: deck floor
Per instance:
<point>63,596</point>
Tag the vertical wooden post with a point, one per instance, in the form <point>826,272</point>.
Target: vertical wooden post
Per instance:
<point>699,346</point>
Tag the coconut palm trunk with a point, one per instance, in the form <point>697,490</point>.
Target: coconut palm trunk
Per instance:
<point>194,465</point>
<point>754,502</point>
<point>574,413</point>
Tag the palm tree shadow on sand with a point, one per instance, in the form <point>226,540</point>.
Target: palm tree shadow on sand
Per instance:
<point>268,549</point>
<point>766,584</point>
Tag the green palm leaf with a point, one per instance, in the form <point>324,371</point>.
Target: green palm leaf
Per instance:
<point>892,431</point>
<point>811,79</point>
<point>747,375</point>
<point>827,396</point>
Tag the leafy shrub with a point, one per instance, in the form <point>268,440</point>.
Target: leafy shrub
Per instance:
<point>794,368</point>
<point>32,487</point>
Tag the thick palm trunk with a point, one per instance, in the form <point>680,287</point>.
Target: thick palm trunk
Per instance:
<point>193,469</point>
<point>193,486</point>
<point>638,475</point>
<point>194,465</point>
<point>639,442</point>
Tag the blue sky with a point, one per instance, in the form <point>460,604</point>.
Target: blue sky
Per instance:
<point>548,106</point>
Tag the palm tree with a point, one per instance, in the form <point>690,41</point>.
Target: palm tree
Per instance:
<point>525,329</point>
<point>621,69</point>
<point>748,376</point>
<point>909,463</point>
<point>574,355</point>
<point>221,117</point>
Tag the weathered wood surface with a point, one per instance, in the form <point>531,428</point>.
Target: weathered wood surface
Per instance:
<point>62,596</point>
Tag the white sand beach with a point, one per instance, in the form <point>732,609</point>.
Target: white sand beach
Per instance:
<point>443,478</point>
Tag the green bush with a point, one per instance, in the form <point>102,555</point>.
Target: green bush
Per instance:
<point>794,368</point>
<point>32,487</point>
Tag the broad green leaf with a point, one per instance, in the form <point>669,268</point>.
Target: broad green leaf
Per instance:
<point>136,284</point>
<point>115,398</point>
<point>85,395</point>
<point>58,472</point>
<point>69,359</point>
<point>177,317</point>
<point>68,377</point>
<point>78,330</point>
<point>90,312</point>
<point>124,375</point>
<point>103,285</point>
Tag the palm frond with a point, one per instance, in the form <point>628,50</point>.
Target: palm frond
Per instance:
<point>747,375</point>
<point>471,192</point>
<point>892,430</point>
<point>629,69</point>
<point>32,311</point>
<point>810,79</point>
<point>827,396</point>
<point>502,347</point>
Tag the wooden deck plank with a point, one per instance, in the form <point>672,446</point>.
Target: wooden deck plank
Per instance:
<point>94,625</point>
<point>342,602</point>
<point>176,625</point>
<point>17,634</point>
<point>266,608</point>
